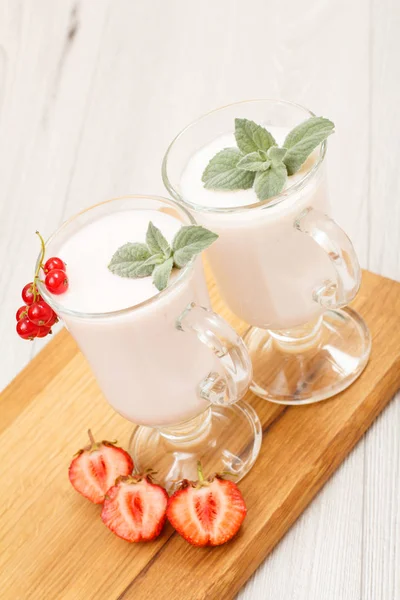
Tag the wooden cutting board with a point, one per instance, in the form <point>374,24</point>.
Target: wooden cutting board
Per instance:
<point>53,543</point>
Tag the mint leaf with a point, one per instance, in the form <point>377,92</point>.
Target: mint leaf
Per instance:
<point>128,259</point>
<point>156,242</point>
<point>162,273</point>
<point>136,260</point>
<point>258,160</point>
<point>308,127</point>
<point>270,183</point>
<point>251,137</point>
<point>222,173</point>
<point>189,241</point>
<point>253,162</point>
<point>147,267</point>
<point>303,139</point>
<point>276,154</point>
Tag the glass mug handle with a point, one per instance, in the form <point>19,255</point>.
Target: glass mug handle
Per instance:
<point>339,249</point>
<point>213,331</point>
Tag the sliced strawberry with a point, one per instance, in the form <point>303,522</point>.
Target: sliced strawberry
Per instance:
<point>135,508</point>
<point>95,468</point>
<point>207,512</point>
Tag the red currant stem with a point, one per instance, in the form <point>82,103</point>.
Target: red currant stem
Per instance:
<point>40,265</point>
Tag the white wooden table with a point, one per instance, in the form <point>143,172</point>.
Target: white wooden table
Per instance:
<point>91,93</point>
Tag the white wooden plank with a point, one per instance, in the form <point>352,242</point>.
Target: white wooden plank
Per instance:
<point>166,68</point>
<point>381,526</point>
<point>50,51</point>
<point>381,536</point>
<point>384,204</point>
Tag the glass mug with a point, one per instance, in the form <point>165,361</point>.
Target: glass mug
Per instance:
<point>169,364</point>
<point>282,265</point>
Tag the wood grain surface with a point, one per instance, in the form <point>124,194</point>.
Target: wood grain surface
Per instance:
<point>54,544</point>
<point>91,93</point>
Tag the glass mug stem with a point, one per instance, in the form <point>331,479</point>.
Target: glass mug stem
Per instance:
<point>227,345</point>
<point>298,338</point>
<point>190,432</point>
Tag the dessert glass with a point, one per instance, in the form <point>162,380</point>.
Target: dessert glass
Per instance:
<point>282,265</point>
<point>170,365</point>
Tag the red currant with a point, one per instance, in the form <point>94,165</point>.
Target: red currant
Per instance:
<point>26,329</point>
<point>40,313</point>
<point>56,281</point>
<point>53,263</point>
<point>21,312</point>
<point>36,318</point>
<point>28,295</point>
<point>43,331</point>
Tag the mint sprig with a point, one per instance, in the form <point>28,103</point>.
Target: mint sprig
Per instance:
<point>156,257</point>
<point>258,160</point>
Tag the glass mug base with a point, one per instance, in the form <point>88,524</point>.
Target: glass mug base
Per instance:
<point>224,439</point>
<point>310,368</point>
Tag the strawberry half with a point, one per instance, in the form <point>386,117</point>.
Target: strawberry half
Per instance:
<point>95,468</point>
<point>135,508</point>
<point>207,512</point>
